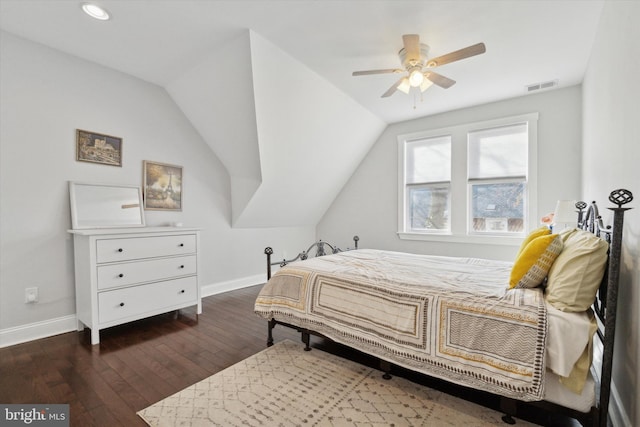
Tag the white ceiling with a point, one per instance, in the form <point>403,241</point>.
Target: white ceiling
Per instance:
<point>527,41</point>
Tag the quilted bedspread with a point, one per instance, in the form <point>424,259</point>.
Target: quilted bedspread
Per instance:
<point>451,318</point>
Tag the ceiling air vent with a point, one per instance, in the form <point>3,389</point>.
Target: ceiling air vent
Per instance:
<point>543,85</point>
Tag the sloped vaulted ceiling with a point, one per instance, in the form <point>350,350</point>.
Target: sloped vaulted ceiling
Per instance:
<point>217,97</point>
<point>288,138</point>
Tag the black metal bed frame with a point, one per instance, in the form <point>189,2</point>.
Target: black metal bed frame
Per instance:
<point>604,307</point>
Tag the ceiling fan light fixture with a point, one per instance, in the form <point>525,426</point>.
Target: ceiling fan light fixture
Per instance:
<point>96,11</point>
<point>413,57</point>
<point>426,84</point>
<point>404,85</point>
<point>416,77</point>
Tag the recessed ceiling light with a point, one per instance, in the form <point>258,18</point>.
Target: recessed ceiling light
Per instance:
<point>95,11</point>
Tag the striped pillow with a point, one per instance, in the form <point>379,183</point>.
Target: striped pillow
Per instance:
<point>534,261</point>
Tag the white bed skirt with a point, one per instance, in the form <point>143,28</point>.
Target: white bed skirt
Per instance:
<point>555,392</point>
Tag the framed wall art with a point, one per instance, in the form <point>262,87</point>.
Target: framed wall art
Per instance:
<point>162,186</point>
<point>98,148</point>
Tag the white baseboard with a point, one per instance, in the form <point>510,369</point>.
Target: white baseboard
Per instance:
<point>619,417</point>
<point>37,330</point>
<point>61,325</point>
<point>231,285</point>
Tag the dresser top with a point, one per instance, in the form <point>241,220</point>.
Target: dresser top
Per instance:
<point>131,230</point>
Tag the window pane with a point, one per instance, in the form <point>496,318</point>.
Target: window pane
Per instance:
<point>498,208</point>
<point>498,152</point>
<point>428,208</point>
<point>428,160</point>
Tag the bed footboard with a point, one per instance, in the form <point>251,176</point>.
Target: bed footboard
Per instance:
<point>321,249</point>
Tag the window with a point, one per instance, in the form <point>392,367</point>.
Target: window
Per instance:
<point>473,182</point>
<point>428,174</point>
<point>497,177</point>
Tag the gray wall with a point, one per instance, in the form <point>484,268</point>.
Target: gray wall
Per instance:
<point>45,96</point>
<point>367,205</point>
<point>611,150</point>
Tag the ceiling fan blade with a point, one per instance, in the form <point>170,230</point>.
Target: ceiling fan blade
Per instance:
<point>369,72</point>
<point>412,46</point>
<point>392,89</point>
<point>467,52</point>
<point>440,80</point>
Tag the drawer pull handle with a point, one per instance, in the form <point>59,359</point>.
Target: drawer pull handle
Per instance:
<point>120,250</point>
<point>121,304</point>
<point>182,266</point>
<point>181,245</point>
<point>120,275</point>
<point>182,291</point>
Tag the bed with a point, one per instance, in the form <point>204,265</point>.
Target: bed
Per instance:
<point>521,330</point>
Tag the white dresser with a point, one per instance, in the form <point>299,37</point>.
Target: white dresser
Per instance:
<point>127,274</point>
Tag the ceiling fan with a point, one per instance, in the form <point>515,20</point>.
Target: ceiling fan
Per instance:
<point>413,57</point>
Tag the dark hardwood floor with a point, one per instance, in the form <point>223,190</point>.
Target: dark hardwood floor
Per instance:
<point>140,363</point>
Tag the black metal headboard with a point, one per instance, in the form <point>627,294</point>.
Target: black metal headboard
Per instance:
<point>605,305</point>
<point>591,220</point>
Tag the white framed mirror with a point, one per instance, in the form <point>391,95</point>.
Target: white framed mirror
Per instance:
<point>105,206</point>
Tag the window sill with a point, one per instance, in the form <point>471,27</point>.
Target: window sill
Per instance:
<point>459,238</point>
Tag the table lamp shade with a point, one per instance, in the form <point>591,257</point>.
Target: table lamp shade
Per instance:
<point>565,214</point>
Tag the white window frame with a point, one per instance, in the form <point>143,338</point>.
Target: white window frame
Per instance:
<point>460,188</point>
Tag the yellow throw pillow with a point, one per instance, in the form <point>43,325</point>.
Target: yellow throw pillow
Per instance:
<point>576,275</point>
<point>534,262</point>
<point>541,231</point>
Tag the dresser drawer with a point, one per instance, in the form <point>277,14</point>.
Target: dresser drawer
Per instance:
<point>111,250</point>
<point>153,298</point>
<point>129,273</point>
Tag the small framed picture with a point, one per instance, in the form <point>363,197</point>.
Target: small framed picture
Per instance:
<point>98,148</point>
<point>162,186</point>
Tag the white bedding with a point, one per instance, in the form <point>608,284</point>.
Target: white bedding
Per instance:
<point>568,335</point>
<point>555,392</point>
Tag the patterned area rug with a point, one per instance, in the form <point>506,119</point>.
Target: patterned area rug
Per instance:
<point>286,386</point>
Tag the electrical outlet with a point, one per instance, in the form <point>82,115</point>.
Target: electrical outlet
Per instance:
<point>31,295</point>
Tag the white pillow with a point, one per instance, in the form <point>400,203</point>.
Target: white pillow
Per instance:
<point>576,274</point>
